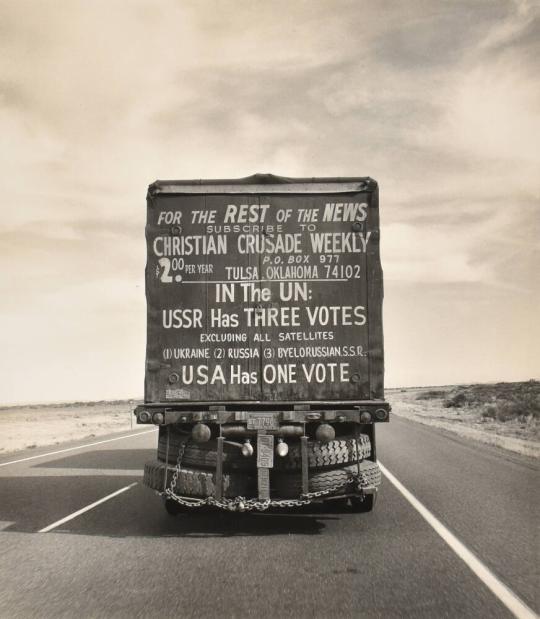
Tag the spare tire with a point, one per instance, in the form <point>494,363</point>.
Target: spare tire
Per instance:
<point>324,455</point>
<point>320,455</point>
<point>196,482</point>
<point>203,455</point>
<point>289,485</point>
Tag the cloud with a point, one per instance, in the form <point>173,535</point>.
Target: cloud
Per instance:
<point>447,245</point>
<point>437,101</point>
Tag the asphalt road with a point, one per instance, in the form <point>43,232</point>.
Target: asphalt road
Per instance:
<point>126,557</point>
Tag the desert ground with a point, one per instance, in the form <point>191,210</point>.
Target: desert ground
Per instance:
<point>41,425</point>
<point>502,414</point>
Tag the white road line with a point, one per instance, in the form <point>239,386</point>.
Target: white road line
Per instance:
<point>514,604</point>
<point>85,509</point>
<point>47,472</point>
<point>60,451</point>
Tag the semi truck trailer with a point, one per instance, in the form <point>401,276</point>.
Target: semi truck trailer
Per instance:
<point>264,362</point>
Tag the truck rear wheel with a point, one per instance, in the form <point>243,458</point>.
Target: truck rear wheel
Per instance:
<point>173,508</point>
<point>362,506</point>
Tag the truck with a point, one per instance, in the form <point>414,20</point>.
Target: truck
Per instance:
<point>264,362</point>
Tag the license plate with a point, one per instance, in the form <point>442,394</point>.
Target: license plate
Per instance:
<point>262,421</point>
<point>265,451</point>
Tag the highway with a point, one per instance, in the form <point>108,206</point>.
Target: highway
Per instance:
<point>107,548</point>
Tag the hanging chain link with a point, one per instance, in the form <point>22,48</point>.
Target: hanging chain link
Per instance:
<point>242,504</point>
<point>181,449</point>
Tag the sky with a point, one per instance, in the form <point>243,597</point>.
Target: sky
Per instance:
<point>438,101</point>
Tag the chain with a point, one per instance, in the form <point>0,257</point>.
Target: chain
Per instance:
<point>242,504</point>
<point>181,448</point>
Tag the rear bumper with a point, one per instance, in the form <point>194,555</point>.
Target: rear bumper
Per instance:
<point>240,413</point>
